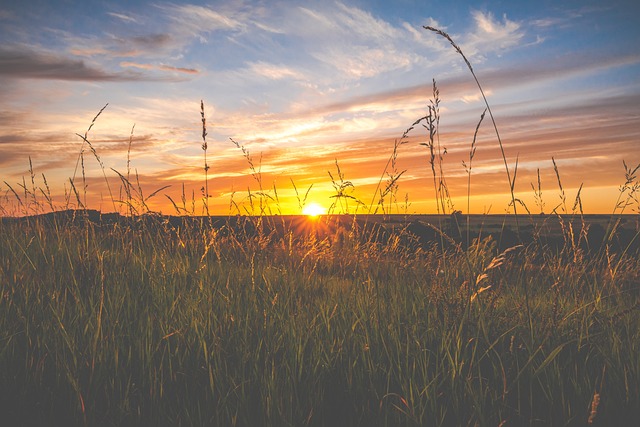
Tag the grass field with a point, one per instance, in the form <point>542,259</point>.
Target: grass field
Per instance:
<point>134,321</point>
<point>337,320</point>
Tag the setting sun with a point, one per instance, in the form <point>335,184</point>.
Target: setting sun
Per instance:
<point>313,209</point>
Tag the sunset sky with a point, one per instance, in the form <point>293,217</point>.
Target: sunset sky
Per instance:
<point>303,84</point>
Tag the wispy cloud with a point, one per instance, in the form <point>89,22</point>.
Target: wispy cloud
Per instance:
<point>123,17</point>
<point>273,71</point>
<point>364,25</point>
<point>27,64</point>
<point>8,117</point>
<point>198,21</point>
<point>547,22</point>
<point>149,42</point>
<point>160,67</point>
<point>158,44</point>
<point>358,45</point>
<point>491,35</point>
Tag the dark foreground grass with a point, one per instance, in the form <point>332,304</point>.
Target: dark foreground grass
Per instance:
<point>145,323</point>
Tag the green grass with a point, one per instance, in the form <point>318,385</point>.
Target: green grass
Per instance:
<point>136,323</point>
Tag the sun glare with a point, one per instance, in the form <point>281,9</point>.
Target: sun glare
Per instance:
<point>313,209</point>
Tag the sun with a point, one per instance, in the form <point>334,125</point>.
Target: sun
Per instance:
<point>313,210</point>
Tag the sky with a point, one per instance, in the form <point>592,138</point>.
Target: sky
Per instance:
<point>305,100</point>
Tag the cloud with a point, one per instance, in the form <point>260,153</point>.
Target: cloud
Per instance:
<point>559,69</point>
<point>123,17</point>
<point>357,62</point>
<point>273,71</point>
<point>355,44</point>
<point>548,22</point>
<point>147,45</point>
<point>159,67</point>
<point>364,25</point>
<point>28,64</point>
<point>491,35</point>
<point>486,23</point>
<point>8,117</point>
<point>149,42</point>
<point>197,21</point>
<point>389,112</point>
<point>90,51</point>
<point>420,36</point>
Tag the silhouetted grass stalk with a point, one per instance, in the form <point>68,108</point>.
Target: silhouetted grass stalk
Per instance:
<point>468,167</point>
<point>495,126</point>
<point>205,189</point>
<point>80,158</point>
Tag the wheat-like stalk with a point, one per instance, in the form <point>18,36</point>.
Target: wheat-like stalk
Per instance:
<point>595,402</point>
<point>495,126</point>
<point>472,153</point>
<point>495,263</point>
<point>84,139</point>
<point>205,189</point>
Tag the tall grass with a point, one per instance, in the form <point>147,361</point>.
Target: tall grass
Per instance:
<point>152,322</point>
<point>339,321</point>
<point>511,181</point>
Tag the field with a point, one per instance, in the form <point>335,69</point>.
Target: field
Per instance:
<point>299,321</point>
<point>337,320</point>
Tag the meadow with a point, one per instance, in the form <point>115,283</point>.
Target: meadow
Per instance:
<point>337,320</point>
